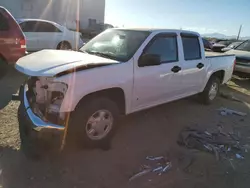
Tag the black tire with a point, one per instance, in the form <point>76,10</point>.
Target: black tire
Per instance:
<point>64,46</point>
<point>29,144</point>
<point>204,96</point>
<point>79,119</point>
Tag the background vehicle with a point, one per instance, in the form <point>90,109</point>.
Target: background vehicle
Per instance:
<point>119,72</point>
<point>218,46</point>
<point>12,41</point>
<point>207,44</point>
<point>43,34</point>
<point>242,53</point>
<point>231,46</point>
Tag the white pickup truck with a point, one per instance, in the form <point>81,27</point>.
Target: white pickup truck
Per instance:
<point>119,72</point>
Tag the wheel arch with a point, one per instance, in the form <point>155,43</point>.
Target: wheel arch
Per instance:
<point>115,94</point>
<point>218,73</point>
<point>64,41</point>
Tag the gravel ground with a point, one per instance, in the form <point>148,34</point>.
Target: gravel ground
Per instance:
<point>151,132</point>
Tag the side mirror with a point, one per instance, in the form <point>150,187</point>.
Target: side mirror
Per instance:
<point>149,60</point>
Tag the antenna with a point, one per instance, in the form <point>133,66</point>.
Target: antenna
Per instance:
<point>239,32</point>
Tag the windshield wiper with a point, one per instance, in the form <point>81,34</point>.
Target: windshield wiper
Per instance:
<point>101,54</point>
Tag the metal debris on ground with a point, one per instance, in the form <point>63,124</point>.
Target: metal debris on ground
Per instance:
<point>238,156</point>
<point>226,111</point>
<point>140,174</point>
<point>221,144</point>
<point>230,97</point>
<point>158,165</point>
<point>151,158</point>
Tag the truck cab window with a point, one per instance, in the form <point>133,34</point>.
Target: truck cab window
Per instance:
<point>165,47</point>
<point>191,48</point>
<point>29,26</point>
<point>46,27</point>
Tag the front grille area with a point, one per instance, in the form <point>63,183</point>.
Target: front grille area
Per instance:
<point>41,109</point>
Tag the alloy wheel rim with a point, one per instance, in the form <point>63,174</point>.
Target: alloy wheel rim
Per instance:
<point>99,124</point>
<point>213,91</point>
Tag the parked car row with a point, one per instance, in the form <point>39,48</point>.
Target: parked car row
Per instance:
<point>20,36</point>
<point>231,46</point>
<point>44,34</point>
<point>242,53</point>
<point>221,46</point>
<point>240,49</point>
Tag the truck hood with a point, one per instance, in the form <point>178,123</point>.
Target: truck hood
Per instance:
<point>53,62</point>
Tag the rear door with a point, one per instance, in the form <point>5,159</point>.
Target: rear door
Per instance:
<point>155,85</point>
<point>193,64</point>
<point>29,29</point>
<point>49,35</point>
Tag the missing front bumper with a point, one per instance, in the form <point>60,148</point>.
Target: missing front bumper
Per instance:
<point>36,122</point>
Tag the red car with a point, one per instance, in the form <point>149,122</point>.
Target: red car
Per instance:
<point>12,41</point>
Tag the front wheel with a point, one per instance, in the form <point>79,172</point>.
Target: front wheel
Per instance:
<point>211,90</point>
<point>94,122</point>
<point>64,46</point>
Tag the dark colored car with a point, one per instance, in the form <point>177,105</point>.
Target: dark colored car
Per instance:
<point>217,47</point>
<point>12,41</point>
<point>231,46</point>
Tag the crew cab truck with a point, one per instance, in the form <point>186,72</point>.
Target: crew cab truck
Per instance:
<point>119,72</point>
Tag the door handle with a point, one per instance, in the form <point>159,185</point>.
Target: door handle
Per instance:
<point>200,65</point>
<point>176,69</point>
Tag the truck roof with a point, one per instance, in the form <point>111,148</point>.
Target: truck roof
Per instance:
<point>157,30</point>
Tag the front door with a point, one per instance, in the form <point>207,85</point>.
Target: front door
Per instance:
<point>193,65</point>
<point>157,84</point>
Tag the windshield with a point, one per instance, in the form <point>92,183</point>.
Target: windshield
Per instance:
<point>116,44</point>
<point>234,44</point>
<point>245,46</point>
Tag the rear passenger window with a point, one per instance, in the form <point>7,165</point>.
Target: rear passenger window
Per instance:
<point>165,47</point>
<point>46,27</point>
<point>29,26</point>
<point>191,47</point>
<point>4,25</point>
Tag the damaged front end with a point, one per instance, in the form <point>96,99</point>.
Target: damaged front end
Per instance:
<point>44,97</point>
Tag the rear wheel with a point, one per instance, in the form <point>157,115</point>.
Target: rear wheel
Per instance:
<point>211,90</point>
<point>94,122</point>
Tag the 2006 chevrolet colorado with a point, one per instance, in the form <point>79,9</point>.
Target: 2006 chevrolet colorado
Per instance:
<point>119,72</point>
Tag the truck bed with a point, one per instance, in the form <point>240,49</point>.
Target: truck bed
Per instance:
<point>215,54</point>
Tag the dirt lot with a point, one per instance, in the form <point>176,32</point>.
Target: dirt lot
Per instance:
<point>151,132</point>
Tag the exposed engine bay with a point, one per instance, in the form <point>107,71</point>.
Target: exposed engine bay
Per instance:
<point>45,97</point>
